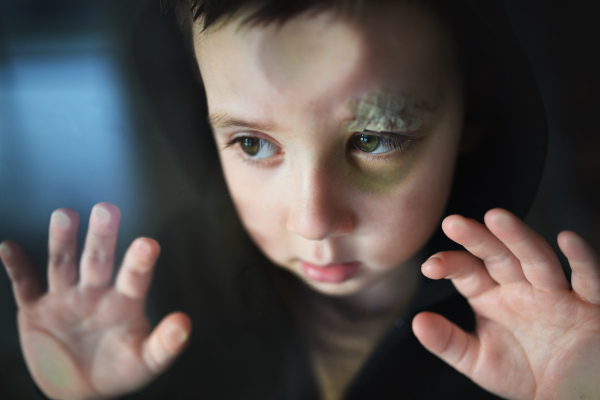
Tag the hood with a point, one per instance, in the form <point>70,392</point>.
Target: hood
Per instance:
<point>504,166</point>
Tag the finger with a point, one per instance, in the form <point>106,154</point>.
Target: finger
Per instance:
<point>585,264</point>
<point>99,251</point>
<point>501,264</point>
<point>166,342</point>
<point>135,274</point>
<point>25,281</point>
<point>537,259</point>
<point>467,272</point>
<point>62,249</point>
<point>447,341</point>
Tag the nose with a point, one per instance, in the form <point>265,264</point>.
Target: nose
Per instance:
<point>319,208</point>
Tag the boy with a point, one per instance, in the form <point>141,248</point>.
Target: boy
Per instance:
<point>338,135</point>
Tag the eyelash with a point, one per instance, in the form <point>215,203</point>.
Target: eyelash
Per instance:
<point>259,162</point>
<point>397,141</point>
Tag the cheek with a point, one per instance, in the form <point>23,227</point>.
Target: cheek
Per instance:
<point>401,221</point>
<point>255,201</point>
<point>400,227</point>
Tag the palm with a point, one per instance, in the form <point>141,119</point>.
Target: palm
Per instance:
<point>83,338</point>
<point>86,338</point>
<point>536,335</point>
<point>521,324</point>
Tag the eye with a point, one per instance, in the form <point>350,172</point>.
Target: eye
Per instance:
<point>255,147</point>
<point>378,144</point>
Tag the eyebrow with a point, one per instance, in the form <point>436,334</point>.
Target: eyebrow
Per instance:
<point>222,120</point>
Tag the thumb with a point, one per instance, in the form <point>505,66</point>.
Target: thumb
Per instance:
<point>447,341</point>
<point>166,341</point>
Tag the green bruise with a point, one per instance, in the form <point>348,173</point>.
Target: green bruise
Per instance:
<point>385,112</point>
<point>381,176</point>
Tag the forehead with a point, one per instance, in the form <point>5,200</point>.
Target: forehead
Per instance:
<point>325,58</point>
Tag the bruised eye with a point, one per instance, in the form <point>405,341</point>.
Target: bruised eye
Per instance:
<point>255,147</point>
<point>377,144</point>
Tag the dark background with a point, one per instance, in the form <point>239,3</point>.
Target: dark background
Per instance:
<point>100,102</point>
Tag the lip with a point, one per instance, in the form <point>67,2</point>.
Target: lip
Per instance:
<point>330,273</point>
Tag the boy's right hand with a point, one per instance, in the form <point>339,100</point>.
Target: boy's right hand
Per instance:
<point>86,338</point>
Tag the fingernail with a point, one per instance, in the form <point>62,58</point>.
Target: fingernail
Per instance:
<point>455,223</point>
<point>503,220</point>
<point>60,219</point>
<point>4,250</point>
<point>430,262</point>
<point>101,214</point>
<point>142,247</point>
<point>177,335</point>
<point>576,240</point>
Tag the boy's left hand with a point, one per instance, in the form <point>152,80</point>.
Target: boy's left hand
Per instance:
<point>536,336</point>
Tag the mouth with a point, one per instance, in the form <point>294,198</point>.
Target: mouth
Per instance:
<point>330,273</point>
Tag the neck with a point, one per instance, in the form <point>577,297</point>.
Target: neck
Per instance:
<point>342,331</point>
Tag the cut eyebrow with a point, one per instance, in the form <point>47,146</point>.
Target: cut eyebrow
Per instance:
<point>222,120</point>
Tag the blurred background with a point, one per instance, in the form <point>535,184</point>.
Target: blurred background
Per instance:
<point>101,101</point>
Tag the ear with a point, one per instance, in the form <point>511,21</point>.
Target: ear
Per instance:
<point>471,137</point>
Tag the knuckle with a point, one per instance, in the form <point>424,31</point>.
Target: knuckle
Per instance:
<point>497,260</point>
<point>467,279</point>
<point>16,275</point>
<point>97,257</point>
<point>139,269</point>
<point>474,241</point>
<point>150,360</point>
<point>535,261</point>
<point>60,259</point>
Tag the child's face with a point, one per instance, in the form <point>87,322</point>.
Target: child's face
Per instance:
<point>339,209</point>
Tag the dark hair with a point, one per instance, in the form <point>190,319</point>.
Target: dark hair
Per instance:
<point>267,11</point>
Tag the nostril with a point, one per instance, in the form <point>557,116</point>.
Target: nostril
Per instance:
<point>321,226</point>
<point>345,226</point>
<point>309,227</point>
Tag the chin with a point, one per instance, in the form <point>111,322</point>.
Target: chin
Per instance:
<point>338,289</point>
